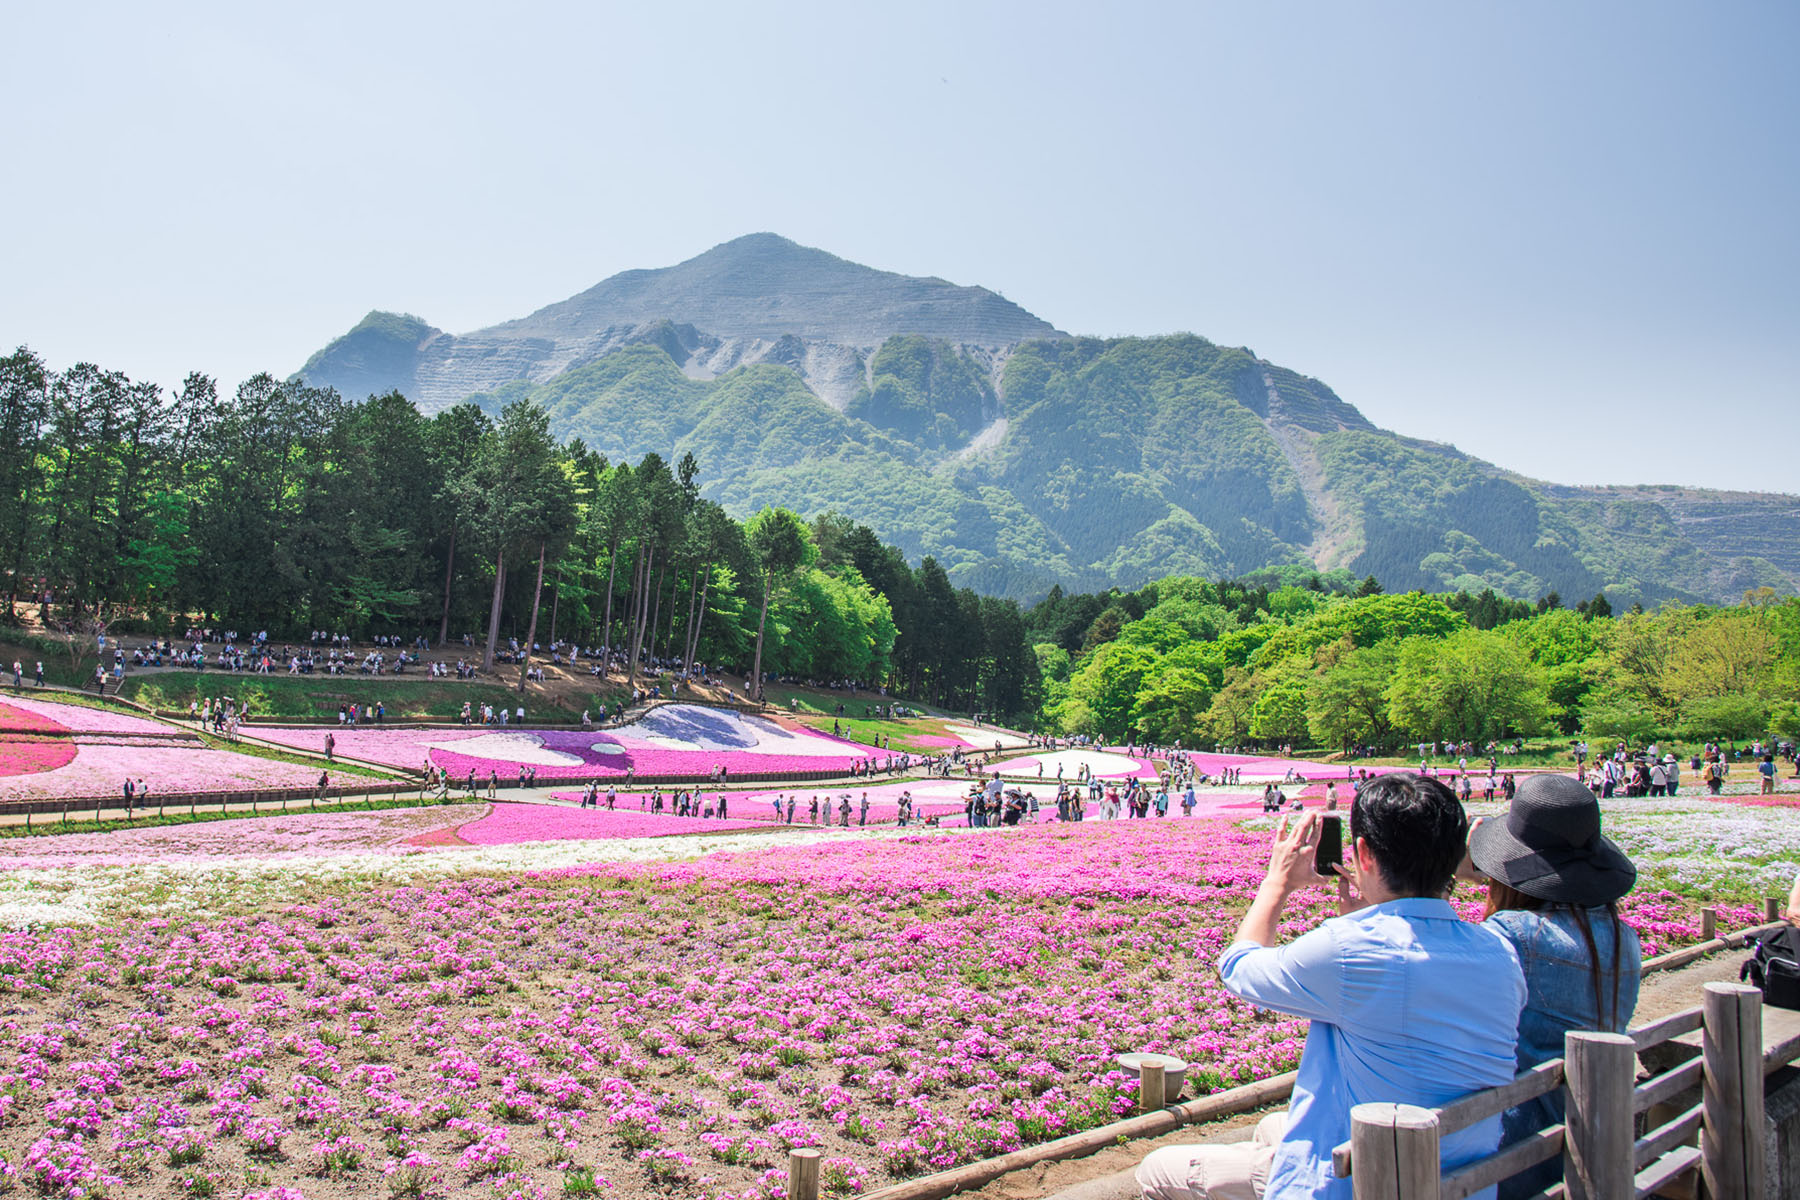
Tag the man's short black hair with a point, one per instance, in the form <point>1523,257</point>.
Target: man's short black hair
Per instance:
<point>1416,829</point>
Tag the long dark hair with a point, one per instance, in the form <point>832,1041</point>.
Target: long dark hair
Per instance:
<point>1502,898</point>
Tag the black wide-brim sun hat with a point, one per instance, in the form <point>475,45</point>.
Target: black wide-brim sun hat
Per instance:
<point>1549,846</point>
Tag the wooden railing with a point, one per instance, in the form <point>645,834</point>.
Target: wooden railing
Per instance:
<point>1393,1152</point>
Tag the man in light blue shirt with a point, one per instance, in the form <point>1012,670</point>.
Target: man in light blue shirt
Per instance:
<point>1409,1004</point>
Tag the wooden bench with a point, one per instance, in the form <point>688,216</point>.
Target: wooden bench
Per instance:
<point>1722,1137</point>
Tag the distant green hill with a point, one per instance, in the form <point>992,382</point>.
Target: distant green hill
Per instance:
<point>961,426</point>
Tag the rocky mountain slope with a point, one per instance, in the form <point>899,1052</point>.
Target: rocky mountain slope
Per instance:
<point>959,425</point>
<point>756,299</point>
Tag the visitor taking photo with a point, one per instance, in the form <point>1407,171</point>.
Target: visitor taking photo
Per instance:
<point>1387,987</point>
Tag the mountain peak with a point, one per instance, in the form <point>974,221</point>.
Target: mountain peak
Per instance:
<point>765,286</point>
<point>754,299</point>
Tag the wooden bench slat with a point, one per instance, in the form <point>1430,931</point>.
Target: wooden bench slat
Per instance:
<point>1781,1037</point>
<point>1479,1106</point>
<point>1658,1032</point>
<point>1654,1178</point>
<point>1673,1082</point>
<point>1470,1178</point>
<point>1660,1141</point>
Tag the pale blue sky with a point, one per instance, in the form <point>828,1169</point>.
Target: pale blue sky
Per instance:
<point>1565,237</point>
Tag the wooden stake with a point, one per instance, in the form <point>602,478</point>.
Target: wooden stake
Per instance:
<point>1601,1071</point>
<point>803,1175</point>
<point>1150,1087</point>
<point>1731,1150</point>
<point>1395,1151</point>
<point>1709,924</point>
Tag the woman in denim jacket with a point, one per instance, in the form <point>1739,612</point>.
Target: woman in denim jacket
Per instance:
<point>1553,887</point>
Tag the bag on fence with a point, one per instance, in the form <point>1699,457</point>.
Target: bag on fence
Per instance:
<point>1775,968</point>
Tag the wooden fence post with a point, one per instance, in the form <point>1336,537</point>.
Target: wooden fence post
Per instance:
<point>803,1175</point>
<point>1771,910</point>
<point>1709,924</point>
<point>1601,1071</point>
<point>1394,1152</point>
<point>1731,1139</point>
<point>1150,1087</point>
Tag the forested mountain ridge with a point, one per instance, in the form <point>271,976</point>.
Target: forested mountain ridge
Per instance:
<point>961,426</point>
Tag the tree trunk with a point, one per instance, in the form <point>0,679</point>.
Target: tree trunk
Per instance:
<point>697,623</point>
<point>762,623</point>
<point>449,567</point>
<point>687,638</point>
<point>655,611</point>
<point>555,599</point>
<point>612,568</point>
<point>537,598</point>
<point>631,611</point>
<point>643,614</point>
<point>487,658</point>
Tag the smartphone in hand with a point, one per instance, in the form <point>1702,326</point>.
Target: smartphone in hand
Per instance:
<point>1328,856</point>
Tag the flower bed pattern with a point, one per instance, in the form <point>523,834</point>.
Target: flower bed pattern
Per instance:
<point>100,769</point>
<point>22,756</point>
<point>1102,764</point>
<point>16,720</point>
<point>509,824</point>
<point>297,837</point>
<point>905,1003</point>
<point>79,718</point>
<point>672,740</point>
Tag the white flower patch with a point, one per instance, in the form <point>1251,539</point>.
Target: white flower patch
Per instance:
<point>89,894</point>
<point>525,748</point>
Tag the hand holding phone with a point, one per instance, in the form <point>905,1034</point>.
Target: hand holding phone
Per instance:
<point>1328,855</point>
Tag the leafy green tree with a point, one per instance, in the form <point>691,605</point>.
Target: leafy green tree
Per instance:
<point>1107,685</point>
<point>1474,685</point>
<point>521,500</point>
<point>1619,718</point>
<point>1279,715</point>
<point>24,407</point>
<point>1228,717</point>
<point>1346,704</point>
<point>1176,692</point>
<point>781,545</point>
<point>453,439</point>
<point>1731,717</point>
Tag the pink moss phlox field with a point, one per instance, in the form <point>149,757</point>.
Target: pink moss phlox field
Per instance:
<point>81,719</point>
<point>14,719</point>
<point>297,836</point>
<point>21,757</point>
<point>1112,765</point>
<point>685,740</point>
<point>903,1003</point>
<point>100,768</point>
<point>508,824</point>
<point>941,797</point>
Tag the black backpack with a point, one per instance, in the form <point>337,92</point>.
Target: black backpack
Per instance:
<point>1775,968</point>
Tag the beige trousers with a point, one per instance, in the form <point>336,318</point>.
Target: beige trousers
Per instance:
<point>1227,1171</point>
